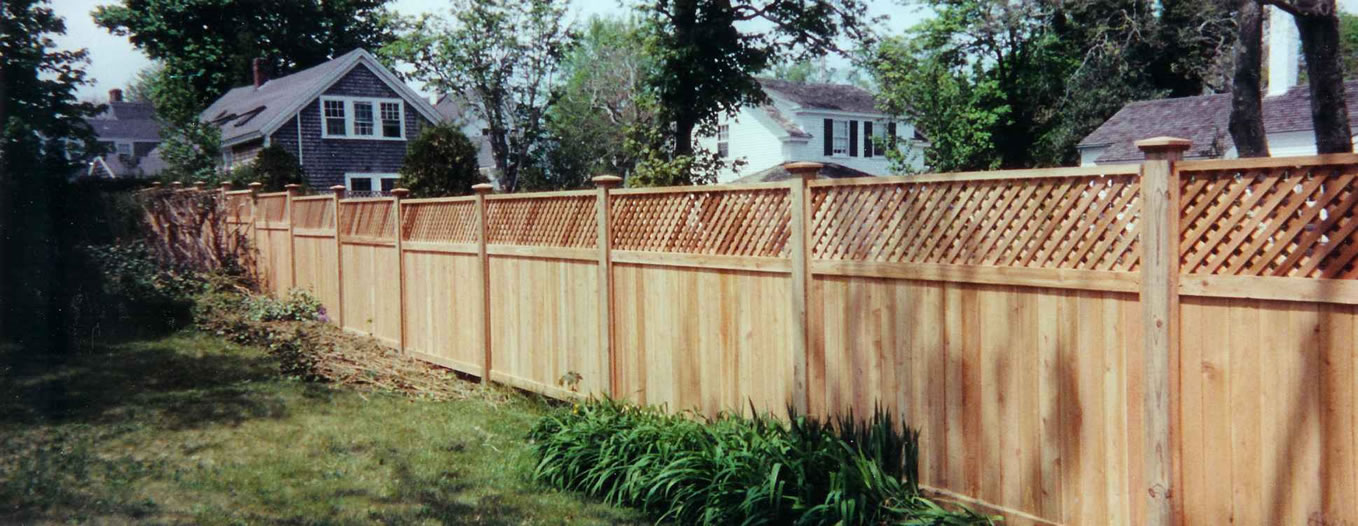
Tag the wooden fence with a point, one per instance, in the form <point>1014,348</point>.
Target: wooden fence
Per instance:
<point>1169,342</point>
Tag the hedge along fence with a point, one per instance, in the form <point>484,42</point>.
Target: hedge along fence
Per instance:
<point>1155,343</point>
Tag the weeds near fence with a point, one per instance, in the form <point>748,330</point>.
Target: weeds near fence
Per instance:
<point>733,469</point>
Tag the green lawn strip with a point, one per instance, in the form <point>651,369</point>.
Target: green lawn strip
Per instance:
<point>190,429</point>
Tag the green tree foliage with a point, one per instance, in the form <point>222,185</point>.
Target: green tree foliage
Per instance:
<point>274,167</point>
<point>601,107</point>
<point>707,65</point>
<point>1348,43</point>
<point>440,162</point>
<point>505,55</point>
<point>206,46</point>
<point>44,135</point>
<point>1018,84</point>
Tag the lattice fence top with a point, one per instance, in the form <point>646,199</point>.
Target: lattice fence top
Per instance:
<point>238,207</point>
<point>1283,221</point>
<point>731,223</point>
<point>368,218</point>
<point>1077,222</point>
<point>273,208</point>
<point>559,221</point>
<point>449,222</point>
<point>313,213</point>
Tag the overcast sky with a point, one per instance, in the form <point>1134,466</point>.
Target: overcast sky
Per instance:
<point>113,60</point>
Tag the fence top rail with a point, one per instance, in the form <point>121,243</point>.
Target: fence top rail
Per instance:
<point>437,200</point>
<point>1206,165</point>
<point>360,200</point>
<point>997,175</point>
<point>238,192</point>
<point>779,185</point>
<point>542,195</point>
<point>313,198</point>
<point>273,194</point>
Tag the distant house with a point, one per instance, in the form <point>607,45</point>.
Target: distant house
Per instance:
<point>130,135</point>
<point>826,123</point>
<point>457,110</point>
<point>347,121</point>
<point>1205,119</point>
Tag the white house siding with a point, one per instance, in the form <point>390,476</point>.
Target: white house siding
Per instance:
<point>1287,144</point>
<point>814,149</point>
<point>754,138</point>
<point>1089,156</point>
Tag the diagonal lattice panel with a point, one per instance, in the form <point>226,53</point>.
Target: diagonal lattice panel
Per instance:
<point>730,223</point>
<point>1296,221</point>
<point>1084,222</point>
<point>448,222</point>
<point>559,221</point>
<point>313,213</point>
<point>368,218</point>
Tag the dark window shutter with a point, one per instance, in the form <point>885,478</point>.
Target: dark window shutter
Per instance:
<point>891,135</point>
<point>853,138</point>
<point>829,137</point>
<point>867,138</point>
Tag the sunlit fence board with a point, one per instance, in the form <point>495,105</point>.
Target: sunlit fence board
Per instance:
<point>544,324</point>
<point>443,308</point>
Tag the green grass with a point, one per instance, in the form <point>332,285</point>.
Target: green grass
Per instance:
<point>187,428</point>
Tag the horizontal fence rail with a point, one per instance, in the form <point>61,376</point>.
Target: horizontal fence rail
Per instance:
<point>1169,342</point>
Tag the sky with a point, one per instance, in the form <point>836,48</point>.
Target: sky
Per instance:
<point>114,62</point>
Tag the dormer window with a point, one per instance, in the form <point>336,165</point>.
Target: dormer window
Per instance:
<point>841,138</point>
<point>363,118</point>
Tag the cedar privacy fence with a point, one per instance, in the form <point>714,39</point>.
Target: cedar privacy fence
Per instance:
<point>1168,342</point>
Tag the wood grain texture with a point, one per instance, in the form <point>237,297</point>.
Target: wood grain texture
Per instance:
<point>545,323</point>
<point>442,308</point>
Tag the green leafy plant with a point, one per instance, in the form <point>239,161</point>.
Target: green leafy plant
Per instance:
<point>300,305</point>
<point>733,469</point>
<point>440,162</point>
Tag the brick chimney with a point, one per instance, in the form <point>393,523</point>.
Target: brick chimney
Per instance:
<point>260,76</point>
<point>115,95</point>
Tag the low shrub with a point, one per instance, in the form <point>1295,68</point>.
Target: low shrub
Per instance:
<point>733,469</point>
<point>300,305</point>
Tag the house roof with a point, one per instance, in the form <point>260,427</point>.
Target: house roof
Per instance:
<point>114,166</point>
<point>780,173</point>
<point>126,120</point>
<point>1203,119</point>
<point>248,112</point>
<point>835,97</point>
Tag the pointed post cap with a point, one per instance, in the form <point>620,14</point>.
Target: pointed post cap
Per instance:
<point>293,188</point>
<point>255,186</point>
<point>483,188</point>
<point>338,190</point>
<point>1164,148</point>
<point>803,170</point>
<point>400,193</point>
<point>606,181</point>
<point>226,186</point>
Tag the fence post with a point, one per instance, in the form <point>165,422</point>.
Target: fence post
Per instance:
<point>604,182</point>
<point>800,254</point>
<point>338,191</point>
<point>1160,319</point>
<point>481,191</point>
<point>293,190</point>
<point>254,225</point>
<point>398,194</point>
<point>223,206</point>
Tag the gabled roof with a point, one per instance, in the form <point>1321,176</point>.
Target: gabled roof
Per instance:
<point>114,166</point>
<point>834,97</point>
<point>1203,119</point>
<point>779,173</point>
<point>126,120</point>
<point>246,112</point>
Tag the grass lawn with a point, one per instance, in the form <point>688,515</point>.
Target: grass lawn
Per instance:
<point>187,428</point>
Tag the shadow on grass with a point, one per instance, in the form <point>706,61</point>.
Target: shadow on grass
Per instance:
<point>152,383</point>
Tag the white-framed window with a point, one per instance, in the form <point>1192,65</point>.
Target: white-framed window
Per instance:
<point>879,145</point>
<point>841,138</point>
<point>363,118</point>
<point>723,140</point>
<point>124,148</point>
<point>369,182</point>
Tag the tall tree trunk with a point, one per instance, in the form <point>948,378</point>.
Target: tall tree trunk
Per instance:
<point>1247,109</point>
<point>1329,111</point>
<point>683,133</point>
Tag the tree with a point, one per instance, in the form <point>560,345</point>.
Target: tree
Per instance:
<point>206,46</point>
<point>600,108</point>
<point>1034,77</point>
<point>274,167</point>
<point>43,133</point>
<point>1348,44</point>
<point>707,65</point>
<point>440,162</point>
<point>140,88</point>
<point>1247,104</point>
<point>505,54</point>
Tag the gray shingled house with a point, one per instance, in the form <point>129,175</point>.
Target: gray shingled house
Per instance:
<point>1204,119</point>
<point>130,135</point>
<point>347,121</point>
